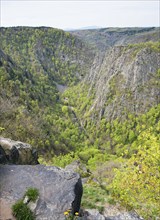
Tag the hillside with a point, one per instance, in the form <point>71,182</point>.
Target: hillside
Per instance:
<point>45,50</point>
<point>104,38</point>
<point>37,64</point>
<point>91,96</point>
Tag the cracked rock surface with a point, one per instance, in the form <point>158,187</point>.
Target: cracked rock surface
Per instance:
<point>59,190</point>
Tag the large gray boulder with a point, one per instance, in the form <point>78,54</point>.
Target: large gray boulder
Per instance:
<point>16,152</point>
<point>59,189</point>
<point>93,214</point>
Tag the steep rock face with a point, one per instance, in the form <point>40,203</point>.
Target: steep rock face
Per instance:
<point>16,152</point>
<point>127,81</point>
<point>59,190</point>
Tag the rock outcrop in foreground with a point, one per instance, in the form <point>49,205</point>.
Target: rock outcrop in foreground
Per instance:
<point>16,152</point>
<point>59,190</point>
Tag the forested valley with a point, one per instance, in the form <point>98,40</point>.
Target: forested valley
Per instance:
<point>89,96</point>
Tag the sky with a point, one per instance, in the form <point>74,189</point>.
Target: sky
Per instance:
<point>76,14</point>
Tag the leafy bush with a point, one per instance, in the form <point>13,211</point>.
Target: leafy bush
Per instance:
<point>63,160</point>
<point>87,154</point>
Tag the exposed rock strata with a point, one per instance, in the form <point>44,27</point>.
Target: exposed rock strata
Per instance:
<point>126,81</point>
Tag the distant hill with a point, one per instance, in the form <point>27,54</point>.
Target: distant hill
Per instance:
<point>104,38</point>
<point>83,28</point>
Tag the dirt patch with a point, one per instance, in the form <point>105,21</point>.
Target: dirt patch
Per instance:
<point>5,210</point>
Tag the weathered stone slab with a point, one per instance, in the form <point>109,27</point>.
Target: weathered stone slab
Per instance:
<point>59,190</point>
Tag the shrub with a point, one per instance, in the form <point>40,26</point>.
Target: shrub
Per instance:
<point>22,212</point>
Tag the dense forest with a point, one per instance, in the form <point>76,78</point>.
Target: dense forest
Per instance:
<point>72,100</point>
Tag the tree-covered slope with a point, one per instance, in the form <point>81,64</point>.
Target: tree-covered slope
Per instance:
<point>47,51</point>
<point>35,65</point>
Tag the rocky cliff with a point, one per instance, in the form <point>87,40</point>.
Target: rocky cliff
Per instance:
<point>125,80</point>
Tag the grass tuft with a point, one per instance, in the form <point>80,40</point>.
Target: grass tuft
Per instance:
<point>22,212</point>
<point>32,194</point>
